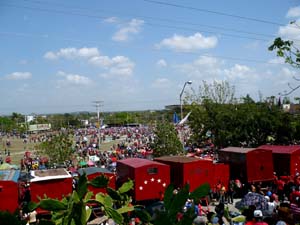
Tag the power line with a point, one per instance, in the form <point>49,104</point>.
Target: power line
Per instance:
<point>214,12</point>
<point>158,25</point>
<point>136,47</point>
<point>156,18</point>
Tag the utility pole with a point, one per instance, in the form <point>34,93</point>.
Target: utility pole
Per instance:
<point>98,104</point>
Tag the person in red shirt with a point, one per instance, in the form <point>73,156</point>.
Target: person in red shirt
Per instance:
<point>280,189</point>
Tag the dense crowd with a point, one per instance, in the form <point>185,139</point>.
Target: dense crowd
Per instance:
<point>262,203</point>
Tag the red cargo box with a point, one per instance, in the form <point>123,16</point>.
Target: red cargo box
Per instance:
<point>54,183</point>
<point>93,172</point>
<point>221,174</point>
<point>189,170</point>
<point>286,159</point>
<point>9,194</point>
<point>150,178</point>
<point>248,164</point>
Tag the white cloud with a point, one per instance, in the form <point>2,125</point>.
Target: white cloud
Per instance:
<point>72,53</point>
<point>133,27</point>
<point>161,83</point>
<point>190,43</point>
<point>18,76</point>
<point>293,12</point>
<point>74,79</point>
<point>113,67</point>
<point>118,65</point>
<point>238,71</point>
<point>290,31</point>
<point>161,63</point>
<point>112,19</point>
<point>287,72</point>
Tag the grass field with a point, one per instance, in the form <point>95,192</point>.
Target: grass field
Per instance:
<point>18,148</point>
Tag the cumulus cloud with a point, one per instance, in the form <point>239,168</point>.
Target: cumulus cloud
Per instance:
<point>113,66</point>
<point>190,43</point>
<point>112,19</point>
<point>287,72</point>
<point>290,31</point>
<point>72,53</point>
<point>161,83</point>
<point>238,71</point>
<point>18,76</point>
<point>161,63</point>
<point>133,27</point>
<point>210,68</point>
<point>74,79</point>
<point>293,12</point>
<point>118,65</point>
<point>203,67</point>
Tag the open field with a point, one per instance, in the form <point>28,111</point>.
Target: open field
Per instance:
<point>18,148</point>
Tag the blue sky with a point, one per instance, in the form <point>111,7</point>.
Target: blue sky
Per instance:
<point>60,56</point>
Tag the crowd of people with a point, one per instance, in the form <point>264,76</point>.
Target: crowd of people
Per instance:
<point>279,201</point>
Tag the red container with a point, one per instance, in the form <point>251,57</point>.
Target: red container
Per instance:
<point>93,172</point>
<point>54,183</point>
<point>221,174</point>
<point>150,178</point>
<point>9,196</point>
<point>188,170</point>
<point>286,159</point>
<point>248,164</point>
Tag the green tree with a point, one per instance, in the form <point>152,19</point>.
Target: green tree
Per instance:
<point>166,140</point>
<point>216,92</point>
<point>58,148</point>
<point>289,51</point>
<point>6,124</point>
<point>239,124</point>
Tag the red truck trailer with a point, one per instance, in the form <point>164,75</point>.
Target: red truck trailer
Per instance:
<point>248,164</point>
<point>286,159</point>
<point>9,190</point>
<point>54,183</point>
<point>193,171</point>
<point>150,178</point>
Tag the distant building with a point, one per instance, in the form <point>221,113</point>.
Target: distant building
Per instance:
<point>291,108</point>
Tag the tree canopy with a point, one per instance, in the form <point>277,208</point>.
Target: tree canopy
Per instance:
<point>166,140</point>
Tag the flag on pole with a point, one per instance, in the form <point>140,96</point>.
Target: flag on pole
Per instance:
<point>175,118</point>
<point>184,119</point>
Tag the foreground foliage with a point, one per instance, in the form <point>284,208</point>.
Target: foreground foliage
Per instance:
<point>76,209</point>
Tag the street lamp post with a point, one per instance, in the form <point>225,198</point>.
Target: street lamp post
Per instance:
<point>180,97</point>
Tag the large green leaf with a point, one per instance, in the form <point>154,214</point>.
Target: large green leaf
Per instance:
<point>74,197</point>
<point>200,192</point>
<point>100,181</point>
<point>113,194</point>
<point>126,187</point>
<point>88,214</point>
<point>104,199</point>
<point>88,196</point>
<point>100,198</point>
<point>32,206</point>
<point>52,205</point>
<point>125,209</point>
<point>179,201</point>
<point>114,214</point>
<point>141,213</point>
<point>168,196</point>
<point>82,186</point>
